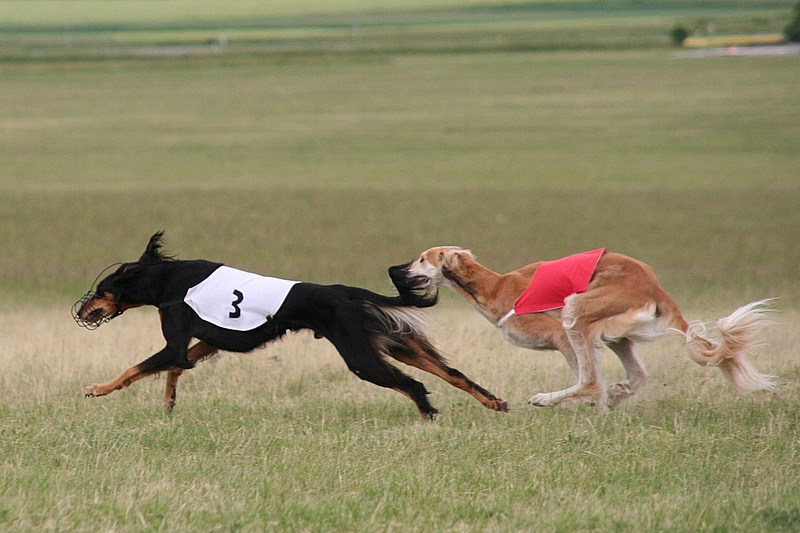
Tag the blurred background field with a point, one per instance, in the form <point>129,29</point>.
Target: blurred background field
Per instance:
<point>42,29</point>
<point>333,168</point>
<point>326,141</point>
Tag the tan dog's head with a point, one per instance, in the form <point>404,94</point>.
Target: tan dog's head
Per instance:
<point>430,271</point>
<point>435,264</point>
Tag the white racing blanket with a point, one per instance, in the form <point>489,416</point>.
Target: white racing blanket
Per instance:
<point>238,300</point>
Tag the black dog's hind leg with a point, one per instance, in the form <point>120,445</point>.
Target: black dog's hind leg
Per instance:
<point>419,353</point>
<point>196,353</point>
<point>354,346</point>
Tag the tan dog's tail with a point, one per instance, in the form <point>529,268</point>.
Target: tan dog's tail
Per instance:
<point>740,331</point>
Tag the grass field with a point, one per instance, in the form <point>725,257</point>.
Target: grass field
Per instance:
<point>331,167</point>
<point>288,440</point>
<point>548,153</point>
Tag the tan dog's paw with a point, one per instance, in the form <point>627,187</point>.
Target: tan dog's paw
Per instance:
<point>543,399</point>
<point>617,393</point>
<point>592,398</point>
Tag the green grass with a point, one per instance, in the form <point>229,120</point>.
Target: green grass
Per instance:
<point>330,168</point>
<point>286,439</point>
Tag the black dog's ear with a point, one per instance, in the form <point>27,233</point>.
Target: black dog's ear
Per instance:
<point>153,252</point>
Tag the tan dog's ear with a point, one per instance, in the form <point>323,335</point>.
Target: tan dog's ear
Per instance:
<point>448,260</point>
<point>441,257</point>
<point>455,259</point>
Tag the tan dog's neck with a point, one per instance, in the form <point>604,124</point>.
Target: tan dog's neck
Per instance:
<point>476,283</point>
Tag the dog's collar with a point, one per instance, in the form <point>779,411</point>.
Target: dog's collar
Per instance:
<point>505,317</point>
<point>170,303</point>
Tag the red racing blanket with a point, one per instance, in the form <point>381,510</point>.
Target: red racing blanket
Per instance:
<point>555,280</point>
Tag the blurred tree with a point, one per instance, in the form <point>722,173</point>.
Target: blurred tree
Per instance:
<point>792,31</point>
<point>678,34</point>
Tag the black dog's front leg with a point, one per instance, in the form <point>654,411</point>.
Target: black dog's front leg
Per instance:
<point>173,355</point>
<point>158,362</point>
<point>196,353</point>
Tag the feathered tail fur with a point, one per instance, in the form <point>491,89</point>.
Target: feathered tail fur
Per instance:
<point>740,332</point>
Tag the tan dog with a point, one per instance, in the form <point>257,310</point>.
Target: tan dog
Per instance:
<point>622,305</point>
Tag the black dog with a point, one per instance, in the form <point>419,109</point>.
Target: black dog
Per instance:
<point>363,326</point>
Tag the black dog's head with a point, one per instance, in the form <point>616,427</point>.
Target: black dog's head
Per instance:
<point>112,294</point>
<point>414,289</point>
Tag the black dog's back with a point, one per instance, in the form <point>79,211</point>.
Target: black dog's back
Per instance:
<point>366,328</point>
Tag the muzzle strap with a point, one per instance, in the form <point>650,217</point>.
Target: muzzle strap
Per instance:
<point>92,294</point>
<point>87,323</point>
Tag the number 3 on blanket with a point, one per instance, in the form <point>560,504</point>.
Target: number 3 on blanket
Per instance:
<point>236,313</point>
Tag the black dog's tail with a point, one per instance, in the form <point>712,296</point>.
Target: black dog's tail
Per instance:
<point>399,332</point>
<point>396,326</point>
<point>396,330</point>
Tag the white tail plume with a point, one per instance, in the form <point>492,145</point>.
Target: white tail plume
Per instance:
<point>740,331</point>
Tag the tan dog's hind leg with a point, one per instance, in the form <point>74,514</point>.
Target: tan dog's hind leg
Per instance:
<point>635,374</point>
<point>603,316</point>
